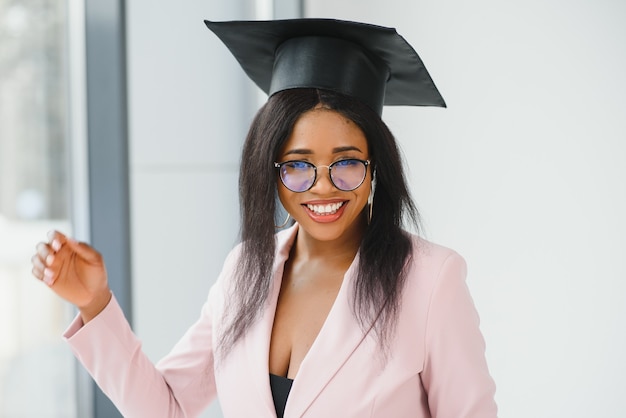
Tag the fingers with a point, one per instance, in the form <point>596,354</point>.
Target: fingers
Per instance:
<point>43,260</point>
<point>38,267</point>
<point>56,240</point>
<point>50,256</point>
<point>84,251</point>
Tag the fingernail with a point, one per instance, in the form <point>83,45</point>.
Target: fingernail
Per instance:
<point>49,259</point>
<point>48,277</point>
<point>56,245</point>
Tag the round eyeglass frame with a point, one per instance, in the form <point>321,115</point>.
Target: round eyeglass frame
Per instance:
<point>365,163</point>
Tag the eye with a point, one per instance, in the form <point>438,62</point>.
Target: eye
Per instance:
<point>346,163</point>
<point>298,165</point>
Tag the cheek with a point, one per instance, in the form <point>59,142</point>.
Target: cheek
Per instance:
<point>366,188</point>
<point>362,195</point>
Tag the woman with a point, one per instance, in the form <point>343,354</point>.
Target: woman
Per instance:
<point>342,314</point>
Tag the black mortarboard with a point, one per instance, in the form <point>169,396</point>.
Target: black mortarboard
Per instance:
<point>372,63</point>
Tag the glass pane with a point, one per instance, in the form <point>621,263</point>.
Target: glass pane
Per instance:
<point>37,371</point>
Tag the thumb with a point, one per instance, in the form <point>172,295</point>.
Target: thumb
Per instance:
<point>84,251</point>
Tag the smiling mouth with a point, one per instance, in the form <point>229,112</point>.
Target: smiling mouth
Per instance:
<point>327,209</point>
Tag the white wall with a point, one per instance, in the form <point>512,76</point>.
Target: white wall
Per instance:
<point>524,174</point>
<point>189,109</point>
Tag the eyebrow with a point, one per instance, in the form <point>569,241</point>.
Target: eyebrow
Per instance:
<point>336,150</point>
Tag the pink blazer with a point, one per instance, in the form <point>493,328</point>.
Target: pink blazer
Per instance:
<point>435,368</point>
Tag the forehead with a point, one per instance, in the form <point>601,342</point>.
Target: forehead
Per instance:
<point>322,131</point>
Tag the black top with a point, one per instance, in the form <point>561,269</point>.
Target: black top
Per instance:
<point>281,386</point>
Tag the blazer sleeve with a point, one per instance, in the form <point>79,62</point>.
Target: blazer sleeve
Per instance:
<point>180,385</point>
<point>455,373</point>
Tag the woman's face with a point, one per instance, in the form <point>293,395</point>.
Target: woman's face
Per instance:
<point>324,212</point>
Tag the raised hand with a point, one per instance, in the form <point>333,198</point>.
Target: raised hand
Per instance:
<point>75,271</point>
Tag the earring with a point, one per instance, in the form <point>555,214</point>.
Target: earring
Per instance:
<point>284,223</point>
<point>370,199</point>
<point>370,207</point>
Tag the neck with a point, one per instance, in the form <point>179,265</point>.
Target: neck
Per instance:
<point>342,249</point>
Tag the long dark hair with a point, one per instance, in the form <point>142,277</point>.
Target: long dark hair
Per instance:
<point>385,248</point>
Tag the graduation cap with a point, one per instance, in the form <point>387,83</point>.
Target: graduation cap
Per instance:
<point>371,63</point>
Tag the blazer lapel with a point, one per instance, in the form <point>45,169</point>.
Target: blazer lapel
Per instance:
<point>257,342</point>
<point>337,340</point>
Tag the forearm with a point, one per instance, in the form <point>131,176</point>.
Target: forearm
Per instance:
<point>97,305</point>
<point>112,355</point>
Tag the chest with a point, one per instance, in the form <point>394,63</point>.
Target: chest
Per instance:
<point>304,302</point>
<point>310,333</point>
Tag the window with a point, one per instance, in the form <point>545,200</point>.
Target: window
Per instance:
<point>37,371</point>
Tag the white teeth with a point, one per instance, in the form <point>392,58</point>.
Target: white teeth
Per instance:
<point>328,209</point>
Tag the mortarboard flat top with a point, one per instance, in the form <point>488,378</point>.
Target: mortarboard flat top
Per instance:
<point>372,63</point>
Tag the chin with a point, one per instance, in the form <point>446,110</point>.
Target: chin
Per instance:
<point>328,232</point>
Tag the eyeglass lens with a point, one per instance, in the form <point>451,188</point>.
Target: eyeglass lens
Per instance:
<point>300,176</point>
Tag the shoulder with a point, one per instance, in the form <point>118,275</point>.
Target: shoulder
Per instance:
<point>283,240</point>
<point>286,236</point>
<point>431,266</point>
<point>427,255</point>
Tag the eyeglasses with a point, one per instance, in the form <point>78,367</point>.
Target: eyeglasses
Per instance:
<point>299,176</point>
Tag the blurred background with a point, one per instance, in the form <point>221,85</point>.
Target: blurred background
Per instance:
<point>34,197</point>
<point>121,123</point>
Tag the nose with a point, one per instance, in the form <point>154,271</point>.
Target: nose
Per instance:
<point>323,184</point>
